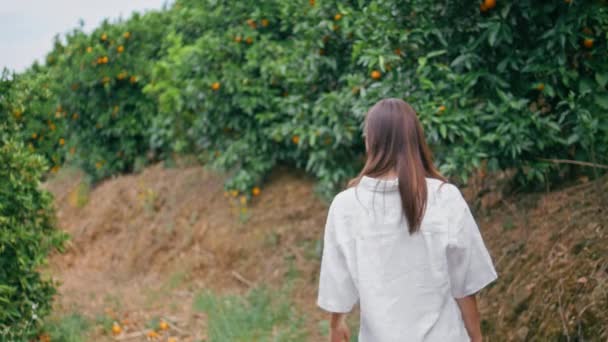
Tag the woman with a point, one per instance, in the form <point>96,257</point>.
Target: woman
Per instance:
<point>402,242</point>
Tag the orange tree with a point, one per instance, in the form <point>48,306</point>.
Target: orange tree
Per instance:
<point>253,84</point>
<point>29,105</point>
<point>99,77</point>
<point>269,90</point>
<point>27,236</point>
<point>248,85</point>
<point>220,89</point>
<point>525,104</point>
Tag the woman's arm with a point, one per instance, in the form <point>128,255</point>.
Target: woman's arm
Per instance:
<point>339,331</point>
<point>470,316</point>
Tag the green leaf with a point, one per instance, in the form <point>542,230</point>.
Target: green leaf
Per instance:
<point>459,60</point>
<point>549,90</point>
<point>584,86</point>
<point>492,36</point>
<point>601,79</point>
<point>436,53</point>
<point>440,37</point>
<point>547,34</point>
<point>572,139</point>
<point>602,100</point>
<point>422,62</point>
<point>502,66</point>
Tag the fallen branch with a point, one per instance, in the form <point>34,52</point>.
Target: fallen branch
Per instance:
<point>242,279</point>
<point>173,325</point>
<point>575,162</point>
<point>129,336</point>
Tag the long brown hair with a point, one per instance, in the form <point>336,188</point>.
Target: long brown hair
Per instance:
<point>395,139</point>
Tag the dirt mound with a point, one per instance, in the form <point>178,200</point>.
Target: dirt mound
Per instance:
<point>143,244</point>
<point>551,256</point>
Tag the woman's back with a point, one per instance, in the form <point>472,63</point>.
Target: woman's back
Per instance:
<point>405,283</point>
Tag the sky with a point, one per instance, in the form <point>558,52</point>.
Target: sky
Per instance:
<point>27,27</point>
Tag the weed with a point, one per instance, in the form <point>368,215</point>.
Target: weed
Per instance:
<point>508,224</point>
<point>261,315</point>
<point>68,328</point>
<point>79,197</point>
<point>105,322</point>
<point>292,272</point>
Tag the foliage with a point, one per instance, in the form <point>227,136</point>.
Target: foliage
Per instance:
<point>99,79</point>
<point>297,91</point>
<point>262,315</point>
<point>29,104</point>
<point>27,236</point>
<point>249,85</point>
<point>67,328</point>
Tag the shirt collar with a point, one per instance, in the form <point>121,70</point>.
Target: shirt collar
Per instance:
<point>379,185</point>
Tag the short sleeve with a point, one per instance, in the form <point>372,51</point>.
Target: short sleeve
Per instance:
<point>337,291</point>
<point>470,266</point>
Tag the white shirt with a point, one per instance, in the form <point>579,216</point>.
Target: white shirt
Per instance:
<point>405,284</point>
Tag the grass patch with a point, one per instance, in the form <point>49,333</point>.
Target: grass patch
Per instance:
<point>105,322</point>
<point>261,315</point>
<point>175,280</point>
<point>292,272</point>
<point>79,196</point>
<point>68,328</point>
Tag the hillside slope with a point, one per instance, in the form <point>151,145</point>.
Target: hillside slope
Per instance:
<point>143,245</point>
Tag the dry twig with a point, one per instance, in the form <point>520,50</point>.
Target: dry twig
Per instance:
<point>129,336</point>
<point>242,279</point>
<point>574,162</point>
<point>561,310</point>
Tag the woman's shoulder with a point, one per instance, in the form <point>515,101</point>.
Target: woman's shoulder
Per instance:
<point>446,192</point>
<point>342,215</point>
<point>343,199</point>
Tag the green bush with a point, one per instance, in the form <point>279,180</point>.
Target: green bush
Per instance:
<point>297,93</point>
<point>29,103</point>
<point>67,328</point>
<point>99,79</point>
<point>27,236</point>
